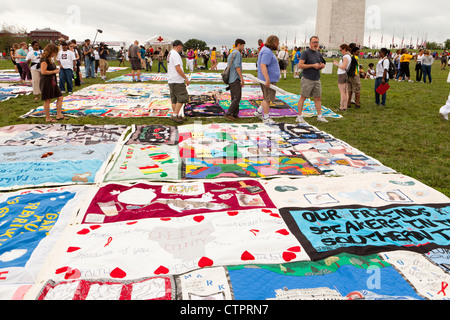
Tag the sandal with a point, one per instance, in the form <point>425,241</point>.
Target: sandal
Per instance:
<point>51,120</point>
<point>63,118</point>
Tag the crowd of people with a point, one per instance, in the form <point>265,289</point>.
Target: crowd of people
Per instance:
<point>40,66</point>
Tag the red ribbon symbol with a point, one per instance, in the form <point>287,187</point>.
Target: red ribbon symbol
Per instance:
<point>109,241</point>
<point>444,286</point>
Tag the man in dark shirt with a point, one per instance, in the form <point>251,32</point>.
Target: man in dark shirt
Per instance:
<point>88,53</point>
<point>312,62</point>
<point>103,62</point>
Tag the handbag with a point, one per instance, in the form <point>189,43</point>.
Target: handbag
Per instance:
<point>226,72</point>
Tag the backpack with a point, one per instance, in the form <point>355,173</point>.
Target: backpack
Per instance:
<point>351,72</point>
<point>226,72</point>
<point>392,69</point>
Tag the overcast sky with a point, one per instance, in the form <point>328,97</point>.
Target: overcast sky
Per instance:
<point>220,22</point>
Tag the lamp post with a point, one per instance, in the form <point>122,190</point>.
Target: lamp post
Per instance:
<point>98,31</point>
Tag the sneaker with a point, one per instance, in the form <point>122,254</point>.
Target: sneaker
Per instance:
<point>176,119</point>
<point>444,113</point>
<point>300,119</point>
<point>268,121</point>
<point>321,119</point>
<point>258,115</point>
<point>229,117</point>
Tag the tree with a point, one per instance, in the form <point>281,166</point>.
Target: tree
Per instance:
<point>10,35</point>
<point>433,46</point>
<point>447,44</point>
<point>195,44</point>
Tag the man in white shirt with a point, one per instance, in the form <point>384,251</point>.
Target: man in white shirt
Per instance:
<point>67,63</point>
<point>177,80</point>
<point>34,56</point>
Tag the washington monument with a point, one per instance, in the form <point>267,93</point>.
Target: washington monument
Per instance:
<point>340,21</point>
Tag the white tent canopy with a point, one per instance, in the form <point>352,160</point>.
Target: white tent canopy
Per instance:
<point>159,41</point>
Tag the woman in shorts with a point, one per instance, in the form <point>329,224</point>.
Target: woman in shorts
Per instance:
<point>343,67</point>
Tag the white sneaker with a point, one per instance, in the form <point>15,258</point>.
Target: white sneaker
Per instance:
<point>300,119</point>
<point>268,121</point>
<point>258,115</point>
<point>321,119</point>
<point>444,112</point>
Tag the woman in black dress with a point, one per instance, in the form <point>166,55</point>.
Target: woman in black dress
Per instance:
<point>49,83</point>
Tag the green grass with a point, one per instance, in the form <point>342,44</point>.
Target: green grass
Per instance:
<point>407,135</point>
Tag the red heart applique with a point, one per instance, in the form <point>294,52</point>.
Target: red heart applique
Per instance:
<point>161,270</point>
<point>131,223</point>
<point>275,215</point>
<point>232,213</point>
<point>247,256</point>
<point>165,219</point>
<point>72,274</point>
<point>295,249</point>
<point>205,262</point>
<point>61,270</point>
<point>118,273</point>
<point>289,256</point>
<point>199,218</point>
<point>95,227</point>
<point>84,231</point>
<point>283,232</point>
<point>73,249</point>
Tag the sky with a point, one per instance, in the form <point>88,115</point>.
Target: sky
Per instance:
<point>220,22</point>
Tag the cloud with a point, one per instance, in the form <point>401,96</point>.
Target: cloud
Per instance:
<point>218,22</point>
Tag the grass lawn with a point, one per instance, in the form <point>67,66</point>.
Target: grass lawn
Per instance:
<point>407,135</point>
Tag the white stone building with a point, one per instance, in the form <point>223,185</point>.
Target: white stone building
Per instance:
<point>340,21</point>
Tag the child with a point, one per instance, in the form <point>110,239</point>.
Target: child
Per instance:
<point>371,74</point>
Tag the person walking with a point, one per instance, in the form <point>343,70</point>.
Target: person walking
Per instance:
<point>404,65</point>
<point>311,62</point>
<point>382,75</point>
<point>121,56</point>
<point>343,67</point>
<point>21,56</point>
<point>177,80</point>
<point>214,59</point>
<point>190,60</point>
<point>135,60</point>
<point>294,51</point>
<point>206,57</point>
<point>354,79</point>
<point>161,61</point>
<point>235,80</point>
<point>49,85</point>
<point>103,64</point>
<point>67,63</point>
<point>427,63</point>
<point>89,59</point>
<point>77,72</point>
<point>12,53</point>
<point>34,57</point>
<point>269,73</point>
<point>283,60</point>
<point>418,68</point>
<point>297,56</point>
<point>444,59</point>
